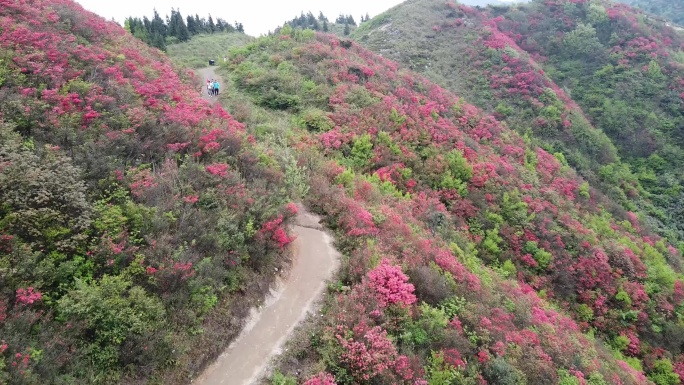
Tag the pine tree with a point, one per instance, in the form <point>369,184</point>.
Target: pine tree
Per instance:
<point>325,26</point>
<point>147,24</point>
<point>172,24</point>
<point>155,32</point>
<point>192,27</point>
<point>199,24</point>
<point>211,26</point>
<point>181,29</point>
<point>157,25</point>
<point>346,29</point>
<point>142,34</point>
<point>321,17</point>
<point>157,40</point>
<point>227,27</point>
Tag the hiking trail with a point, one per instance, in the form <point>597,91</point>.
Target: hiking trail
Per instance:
<point>209,73</point>
<point>313,263</point>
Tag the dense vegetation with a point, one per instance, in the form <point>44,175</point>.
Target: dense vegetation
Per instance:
<point>343,25</point>
<point>159,33</point>
<point>136,221</point>
<point>510,244</point>
<point>603,87</point>
<point>439,209</point>
<point>626,72</point>
<point>671,10</point>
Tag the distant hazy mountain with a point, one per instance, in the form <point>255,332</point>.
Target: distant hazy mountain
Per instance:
<point>669,9</point>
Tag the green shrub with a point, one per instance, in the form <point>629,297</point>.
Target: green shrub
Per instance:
<point>110,311</point>
<point>540,255</point>
<point>499,372</point>
<point>362,151</point>
<point>662,373</point>
<point>42,198</point>
<point>440,372</point>
<point>281,379</point>
<point>565,378</point>
<point>315,120</point>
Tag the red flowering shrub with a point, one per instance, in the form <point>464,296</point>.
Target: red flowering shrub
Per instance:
<point>276,232</point>
<point>321,379</point>
<point>292,208</point>
<point>368,352</point>
<point>357,221</point>
<point>27,296</point>
<point>219,169</point>
<point>390,285</point>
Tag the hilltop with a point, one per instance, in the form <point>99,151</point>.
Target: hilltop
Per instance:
<point>197,52</point>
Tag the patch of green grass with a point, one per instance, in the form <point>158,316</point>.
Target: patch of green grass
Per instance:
<point>197,52</point>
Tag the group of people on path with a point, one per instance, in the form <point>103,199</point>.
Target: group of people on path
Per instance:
<point>213,87</point>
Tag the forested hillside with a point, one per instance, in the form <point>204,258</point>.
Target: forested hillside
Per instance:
<point>160,33</point>
<point>342,26</point>
<point>668,9</point>
<point>439,209</point>
<point>627,74</point>
<point>136,221</point>
<point>603,86</point>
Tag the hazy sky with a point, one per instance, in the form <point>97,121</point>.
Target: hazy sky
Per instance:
<point>258,17</point>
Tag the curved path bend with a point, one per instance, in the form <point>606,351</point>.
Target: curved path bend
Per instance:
<point>313,263</point>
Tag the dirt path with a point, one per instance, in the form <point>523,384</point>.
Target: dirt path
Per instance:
<point>249,355</point>
<point>208,73</point>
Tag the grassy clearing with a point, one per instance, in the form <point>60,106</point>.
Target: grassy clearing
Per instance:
<point>197,52</point>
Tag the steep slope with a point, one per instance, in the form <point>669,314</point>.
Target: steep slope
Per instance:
<point>627,74</point>
<point>547,81</point>
<point>137,222</point>
<point>419,182</point>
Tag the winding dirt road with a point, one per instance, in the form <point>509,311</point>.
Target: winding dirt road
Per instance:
<point>313,264</point>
